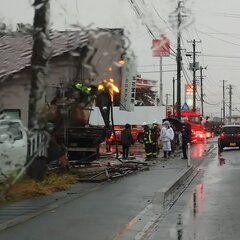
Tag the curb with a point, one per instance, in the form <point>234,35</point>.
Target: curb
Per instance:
<point>145,222</point>
<point>169,192</point>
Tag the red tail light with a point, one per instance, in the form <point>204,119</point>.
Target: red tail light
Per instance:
<point>221,136</point>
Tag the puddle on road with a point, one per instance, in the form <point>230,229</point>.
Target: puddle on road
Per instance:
<point>198,151</point>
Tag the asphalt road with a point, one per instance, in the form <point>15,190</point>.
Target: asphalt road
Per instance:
<point>101,214</point>
<point>209,208</point>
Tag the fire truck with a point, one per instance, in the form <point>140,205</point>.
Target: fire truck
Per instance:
<point>194,119</point>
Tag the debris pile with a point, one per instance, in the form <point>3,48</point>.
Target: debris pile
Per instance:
<point>100,171</point>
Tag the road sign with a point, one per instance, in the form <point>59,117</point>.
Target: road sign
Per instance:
<point>185,107</point>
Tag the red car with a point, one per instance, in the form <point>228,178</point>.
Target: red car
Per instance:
<point>137,133</point>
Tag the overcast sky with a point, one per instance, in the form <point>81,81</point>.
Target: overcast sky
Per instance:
<point>215,23</point>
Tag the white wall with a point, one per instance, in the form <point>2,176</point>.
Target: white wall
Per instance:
<point>140,114</point>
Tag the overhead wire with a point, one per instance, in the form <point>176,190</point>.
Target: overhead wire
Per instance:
<point>158,14</point>
<point>140,14</point>
<point>220,39</point>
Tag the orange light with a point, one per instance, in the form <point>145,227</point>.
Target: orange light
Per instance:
<point>121,62</point>
<point>113,87</point>
<point>208,134</point>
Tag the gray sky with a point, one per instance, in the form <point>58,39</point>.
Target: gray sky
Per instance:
<point>216,24</point>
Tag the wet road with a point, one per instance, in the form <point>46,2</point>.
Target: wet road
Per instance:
<point>102,213</point>
<point>209,208</point>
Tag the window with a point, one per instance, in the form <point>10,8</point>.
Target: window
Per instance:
<point>231,130</point>
<point>194,120</point>
<point>12,113</point>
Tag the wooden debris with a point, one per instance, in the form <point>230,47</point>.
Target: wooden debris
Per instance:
<point>111,170</point>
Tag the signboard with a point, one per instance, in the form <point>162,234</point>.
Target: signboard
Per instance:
<point>161,47</point>
<point>189,95</point>
<point>189,89</point>
<point>128,84</point>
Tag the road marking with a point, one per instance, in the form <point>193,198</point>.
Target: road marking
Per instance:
<point>130,225</point>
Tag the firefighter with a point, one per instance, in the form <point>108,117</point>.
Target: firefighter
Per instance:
<point>147,137</point>
<point>155,132</point>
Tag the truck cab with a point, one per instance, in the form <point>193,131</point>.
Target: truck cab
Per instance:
<point>194,119</point>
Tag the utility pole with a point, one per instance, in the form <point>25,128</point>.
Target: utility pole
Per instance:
<point>194,75</point>
<point>173,96</point>
<point>224,114</point>
<point>167,95</point>
<point>194,68</point>
<point>221,115</point>
<point>177,21</point>
<point>41,53</point>
<point>161,85</point>
<point>230,103</point>
<point>179,61</point>
<point>201,79</point>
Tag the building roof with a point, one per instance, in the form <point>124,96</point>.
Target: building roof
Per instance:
<point>16,49</point>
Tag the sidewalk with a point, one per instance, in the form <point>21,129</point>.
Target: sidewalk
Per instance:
<point>128,196</point>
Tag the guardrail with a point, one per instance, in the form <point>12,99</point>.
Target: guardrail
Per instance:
<point>37,144</point>
<point>37,148</point>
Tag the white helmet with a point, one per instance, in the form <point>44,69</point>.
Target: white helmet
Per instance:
<point>144,124</point>
<point>166,123</point>
<point>155,122</point>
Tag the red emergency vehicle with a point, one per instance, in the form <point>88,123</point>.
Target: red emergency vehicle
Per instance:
<point>136,131</point>
<point>194,119</point>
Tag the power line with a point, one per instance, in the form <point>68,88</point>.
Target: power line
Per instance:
<point>166,25</point>
<point>159,71</point>
<point>221,33</point>
<point>154,65</point>
<point>220,39</point>
<point>220,56</point>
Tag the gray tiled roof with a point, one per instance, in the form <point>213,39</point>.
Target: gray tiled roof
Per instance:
<point>16,49</point>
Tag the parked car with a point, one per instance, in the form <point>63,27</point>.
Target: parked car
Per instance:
<point>229,136</point>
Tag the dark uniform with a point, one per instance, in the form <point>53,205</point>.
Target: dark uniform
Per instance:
<point>147,136</point>
<point>155,135</point>
<point>127,140</point>
<point>186,138</point>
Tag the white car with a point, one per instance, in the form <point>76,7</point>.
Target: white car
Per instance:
<point>13,147</point>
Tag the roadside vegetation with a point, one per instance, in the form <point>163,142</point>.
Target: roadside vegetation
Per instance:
<point>28,188</point>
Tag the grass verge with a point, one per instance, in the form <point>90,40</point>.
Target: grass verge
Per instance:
<point>28,188</point>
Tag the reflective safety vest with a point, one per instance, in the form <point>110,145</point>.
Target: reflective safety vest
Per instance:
<point>147,136</point>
